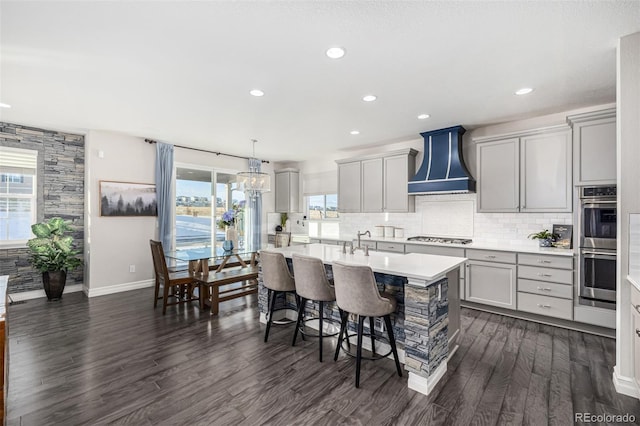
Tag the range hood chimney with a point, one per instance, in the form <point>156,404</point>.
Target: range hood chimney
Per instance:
<point>443,170</point>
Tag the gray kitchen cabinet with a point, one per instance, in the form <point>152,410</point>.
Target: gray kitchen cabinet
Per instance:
<point>287,190</point>
<point>372,181</point>
<point>392,247</point>
<point>491,283</point>
<point>594,144</point>
<point>441,251</point>
<point>349,187</point>
<point>635,330</point>
<point>546,178</point>
<point>527,172</point>
<point>498,175</point>
<point>376,183</point>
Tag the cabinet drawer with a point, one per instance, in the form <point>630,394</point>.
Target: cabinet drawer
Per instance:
<point>437,250</point>
<point>546,261</point>
<point>546,274</point>
<point>545,289</point>
<point>545,305</point>
<point>491,256</point>
<point>382,246</point>
<point>635,297</point>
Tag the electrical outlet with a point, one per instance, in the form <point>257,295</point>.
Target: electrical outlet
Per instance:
<point>132,268</point>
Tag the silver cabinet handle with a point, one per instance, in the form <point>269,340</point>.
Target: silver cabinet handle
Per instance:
<point>490,256</point>
<point>540,274</point>
<point>544,306</point>
<point>637,308</point>
<point>544,289</point>
<point>543,261</point>
<point>638,332</point>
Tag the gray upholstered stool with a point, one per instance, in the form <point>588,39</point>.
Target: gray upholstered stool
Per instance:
<point>312,284</point>
<point>277,279</point>
<point>357,293</point>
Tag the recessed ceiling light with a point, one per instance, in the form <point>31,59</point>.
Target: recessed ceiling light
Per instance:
<point>335,52</point>
<point>257,92</point>
<point>4,105</point>
<point>423,116</point>
<point>369,98</point>
<point>355,132</point>
<point>524,91</point>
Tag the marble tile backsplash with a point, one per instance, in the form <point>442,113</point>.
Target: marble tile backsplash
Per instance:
<point>453,215</point>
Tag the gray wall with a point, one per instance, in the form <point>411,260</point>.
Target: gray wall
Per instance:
<point>60,193</point>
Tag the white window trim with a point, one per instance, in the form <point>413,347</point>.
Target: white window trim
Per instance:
<point>325,218</point>
<point>9,244</point>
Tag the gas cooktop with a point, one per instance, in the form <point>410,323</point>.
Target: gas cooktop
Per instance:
<point>425,239</point>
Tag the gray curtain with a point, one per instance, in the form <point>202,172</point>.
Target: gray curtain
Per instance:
<point>164,172</point>
<point>255,211</point>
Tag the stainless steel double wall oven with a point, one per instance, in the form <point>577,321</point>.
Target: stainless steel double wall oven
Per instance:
<point>597,238</point>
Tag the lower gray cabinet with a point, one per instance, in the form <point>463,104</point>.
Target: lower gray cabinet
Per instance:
<point>491,283</point>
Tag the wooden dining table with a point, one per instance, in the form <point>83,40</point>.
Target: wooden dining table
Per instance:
<point>199,260</point>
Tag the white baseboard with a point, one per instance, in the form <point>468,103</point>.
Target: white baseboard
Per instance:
<point>625,385</point>
<point>36,294</point>
<point>425,385</point>
<point>117,288</point>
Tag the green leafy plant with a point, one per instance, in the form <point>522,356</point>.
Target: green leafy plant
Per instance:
<point>543,235</point>
<point>52,250</point>
<point>283,219</point>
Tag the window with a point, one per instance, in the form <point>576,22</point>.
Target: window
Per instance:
<point>18,194</point>
<point>321,207</point>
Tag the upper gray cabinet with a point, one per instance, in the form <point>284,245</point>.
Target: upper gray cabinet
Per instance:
<point>287,190</point>
<point>594,144</point>
<point>527,172</point>
<point>376,183</point>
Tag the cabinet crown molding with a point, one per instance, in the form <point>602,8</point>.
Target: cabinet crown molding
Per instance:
<point>289,169</point>
<point>523,133</point>
<point>406,151</point>
<point>589,116</point>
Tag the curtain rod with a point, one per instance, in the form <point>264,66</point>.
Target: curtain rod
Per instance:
<point>210,152</point>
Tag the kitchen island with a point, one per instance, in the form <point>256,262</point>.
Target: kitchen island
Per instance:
<point>427,320</point>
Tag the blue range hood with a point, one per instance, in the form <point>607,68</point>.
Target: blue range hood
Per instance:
<point>443,170</point>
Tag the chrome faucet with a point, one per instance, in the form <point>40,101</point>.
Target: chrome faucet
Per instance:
<point>360,235</point>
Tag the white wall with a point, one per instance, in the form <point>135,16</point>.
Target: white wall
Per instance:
<point>628,111</point>
<point>114,243</point>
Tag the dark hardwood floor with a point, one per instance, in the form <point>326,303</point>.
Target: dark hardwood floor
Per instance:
<point>115,360</point>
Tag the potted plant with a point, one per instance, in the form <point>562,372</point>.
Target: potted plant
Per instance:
<point>545,238</point>
<point>52,254</point>
<point>228,222</point>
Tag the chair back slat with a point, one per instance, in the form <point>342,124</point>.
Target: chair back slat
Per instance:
<point>159,261</point>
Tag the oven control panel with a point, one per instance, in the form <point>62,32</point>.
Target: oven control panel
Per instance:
<point>598,191</point>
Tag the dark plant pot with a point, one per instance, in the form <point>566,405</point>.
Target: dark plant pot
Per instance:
<point>53,282</point>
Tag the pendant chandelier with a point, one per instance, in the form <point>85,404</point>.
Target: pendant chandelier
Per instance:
<point>254,181</point>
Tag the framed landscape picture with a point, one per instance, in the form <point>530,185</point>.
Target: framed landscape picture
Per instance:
<point>564,237</point>
<point>127,199</point>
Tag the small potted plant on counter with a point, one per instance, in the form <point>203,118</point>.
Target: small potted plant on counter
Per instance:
<point>545,238</point>
<point>52,254</point>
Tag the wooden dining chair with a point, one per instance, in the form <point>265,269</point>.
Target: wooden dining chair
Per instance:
<point>181,282</point>
<point>283,239</point>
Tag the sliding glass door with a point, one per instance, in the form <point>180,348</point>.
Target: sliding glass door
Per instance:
<point>202,197</point>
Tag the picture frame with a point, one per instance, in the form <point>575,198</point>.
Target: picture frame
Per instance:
<point>564,237</point>
<point>127,199</point>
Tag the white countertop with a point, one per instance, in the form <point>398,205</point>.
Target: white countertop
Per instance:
<point>413,265</point>
<point>520,247</point>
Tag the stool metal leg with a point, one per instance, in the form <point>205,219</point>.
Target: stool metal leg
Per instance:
<point>392,340</point>
<point>344,317</point>
<point>359,351</point>
<point>373,340</point>
<point>301,303</point>
<point>320,316</point>
<point>273,294</point>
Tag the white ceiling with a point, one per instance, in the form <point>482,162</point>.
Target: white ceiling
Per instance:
<point>181,71</point>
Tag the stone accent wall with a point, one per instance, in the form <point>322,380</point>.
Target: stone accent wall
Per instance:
<point>60,193</point>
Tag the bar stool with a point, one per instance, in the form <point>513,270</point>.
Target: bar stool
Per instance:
<point>277,279</point>
<point>312,284</point>
<point>357,293</point>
